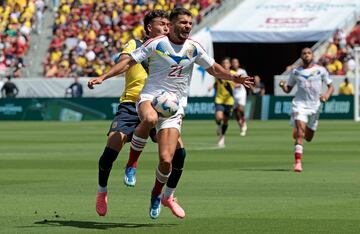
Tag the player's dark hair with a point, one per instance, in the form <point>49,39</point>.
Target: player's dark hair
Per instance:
<point>306,48</point>
<point>226,58</point>
<point>151,15</point>
<point>179,11</point>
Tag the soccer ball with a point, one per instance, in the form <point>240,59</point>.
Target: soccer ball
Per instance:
<point>166,104</point>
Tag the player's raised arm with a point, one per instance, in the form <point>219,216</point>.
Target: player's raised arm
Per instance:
<point>218,71</point>
<point>124,63</point>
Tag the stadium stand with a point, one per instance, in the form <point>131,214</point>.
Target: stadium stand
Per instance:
<point>339,55</point>
<point>16,20</point>
<point>87,33</point>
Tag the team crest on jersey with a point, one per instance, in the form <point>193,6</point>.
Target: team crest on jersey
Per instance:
<point>190,53</point>
<point>114,125</point>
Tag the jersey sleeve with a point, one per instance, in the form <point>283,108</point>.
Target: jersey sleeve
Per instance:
<point>203,59</point>
<point>144,51</point>
<point>325,77</point>
<point>241,72</point>
<point>129,47</point>
<point>292,81</point>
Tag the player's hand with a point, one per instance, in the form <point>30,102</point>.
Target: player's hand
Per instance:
<point>324,98</point>
<point>247,81</point>
<point>94,81</point>
<point>282,83</point>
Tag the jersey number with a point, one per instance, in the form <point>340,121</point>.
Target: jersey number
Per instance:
<point>176,71</point>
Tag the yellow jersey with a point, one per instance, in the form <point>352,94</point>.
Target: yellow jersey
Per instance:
<point>346,89</point>
<point>135,77</point>
<point>224,91</point>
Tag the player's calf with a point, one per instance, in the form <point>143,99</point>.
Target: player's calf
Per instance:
<point>168,199</point>
<point>309,134</point>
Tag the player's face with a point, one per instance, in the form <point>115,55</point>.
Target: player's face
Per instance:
<point>181,27</point>
<point>307,55</point>
<point>158,26</point>
<point>226,64</point>
<point>235,63</point>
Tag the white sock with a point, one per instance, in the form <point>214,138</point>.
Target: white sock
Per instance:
<point>102,189</point>
<point>299,149</point>
<point>168,192</point>
<point>138,143</point>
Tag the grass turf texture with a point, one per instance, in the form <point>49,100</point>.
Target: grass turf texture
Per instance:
<point>48,181</point>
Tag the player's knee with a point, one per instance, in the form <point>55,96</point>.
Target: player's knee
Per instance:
<point>179,159</point>
<point>150,120</point>
<point>107,158</point>
<point>165,166</point>
<point>116,140</point>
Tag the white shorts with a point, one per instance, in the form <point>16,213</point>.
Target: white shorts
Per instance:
<point>310,117</point>
<point>240,96</point>
<point>174,121</point>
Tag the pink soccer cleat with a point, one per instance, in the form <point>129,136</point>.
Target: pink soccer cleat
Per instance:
<point>297,167</point>
<point>175,208</point>
<point>101,203</point>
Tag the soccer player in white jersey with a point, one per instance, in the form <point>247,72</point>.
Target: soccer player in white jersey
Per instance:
<point>309,78</point>
<point>171,61</point>
<point>239,97</point>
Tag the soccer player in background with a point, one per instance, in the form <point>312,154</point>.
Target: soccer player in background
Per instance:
<point>239,97</point>
<point>126,119</point>
<point>224,102</point>
<point>309,78</point>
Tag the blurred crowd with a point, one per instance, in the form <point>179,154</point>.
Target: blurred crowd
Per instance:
<point>16,22</point>
<point>87,33</point>
<point>339,56</point>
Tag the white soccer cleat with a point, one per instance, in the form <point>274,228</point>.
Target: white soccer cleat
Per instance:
<point>243,130</point>
<point>221,142</point>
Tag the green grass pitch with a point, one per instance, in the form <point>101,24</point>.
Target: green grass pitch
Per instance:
<point>48,181</point>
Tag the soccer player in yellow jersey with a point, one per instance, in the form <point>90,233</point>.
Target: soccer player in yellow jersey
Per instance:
<point>224,102</point>
<point>126,119</point>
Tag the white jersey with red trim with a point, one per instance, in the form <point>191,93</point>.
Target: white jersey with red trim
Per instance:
<point>171,65</point>
<point>241,90</point>
<point>309,83</point>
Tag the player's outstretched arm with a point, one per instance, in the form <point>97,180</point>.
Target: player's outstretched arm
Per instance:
<point>284,87</point>
<point>124,63</point>
<point>330,89</point>
<point>218,71</point>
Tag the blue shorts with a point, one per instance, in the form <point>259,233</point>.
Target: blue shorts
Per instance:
<point>126,120</point>
<point>227,109</point>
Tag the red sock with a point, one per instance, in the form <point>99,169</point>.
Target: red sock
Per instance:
<point>136,147</point>
<point>298,152</point>
<point>133,158</point>
<point>157,188</point>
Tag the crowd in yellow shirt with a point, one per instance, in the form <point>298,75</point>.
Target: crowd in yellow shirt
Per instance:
<point>16,19</point>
